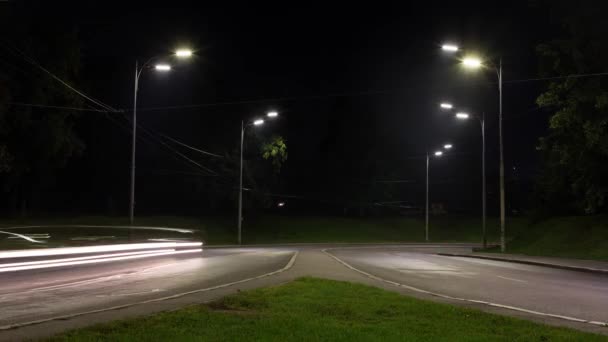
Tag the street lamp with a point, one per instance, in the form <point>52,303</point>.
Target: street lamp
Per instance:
<point>426,212</point>
<point>256,122</point>
<point>476,63</point>
<point>472,62</point>
<point>162,67</point>
<point>449,47</point>
<point>482,123</point>
<point>446,105</point>
<point>461,115</point>
<point>183,53</point>
<point>138,72</point>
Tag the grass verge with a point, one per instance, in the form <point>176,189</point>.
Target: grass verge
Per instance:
<point>288,229</point>
<point>580,237</point>
<point>312,309</point>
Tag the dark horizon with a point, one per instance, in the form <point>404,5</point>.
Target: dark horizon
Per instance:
<point>357,89</point>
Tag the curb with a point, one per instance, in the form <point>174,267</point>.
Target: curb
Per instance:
<point>534,263</point>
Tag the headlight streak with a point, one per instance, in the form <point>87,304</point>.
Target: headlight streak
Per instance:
<point>96,261</point>
<point>94,249</point>
<point>101,256</point>
<point>167,229</point>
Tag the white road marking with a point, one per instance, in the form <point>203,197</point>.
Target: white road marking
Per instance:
<point>21,236</point>
<point>130,293</point>
<point>415,289</point>
<point>513,279</point>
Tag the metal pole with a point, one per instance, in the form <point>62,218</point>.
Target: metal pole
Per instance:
<point>134,135</point>
<point>483,179</point>
<point>241,183</point>
<point>503,246</point>
<point>426,225</point>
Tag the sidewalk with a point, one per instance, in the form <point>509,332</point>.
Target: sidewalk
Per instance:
<point>591,266</point>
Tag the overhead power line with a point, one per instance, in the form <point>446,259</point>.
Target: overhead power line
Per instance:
<point>154,137</point>
<point>58,79</point>
<point>351,94</point>
<point>190,147</point>
<point>598,74</point>
<point>58,107</point>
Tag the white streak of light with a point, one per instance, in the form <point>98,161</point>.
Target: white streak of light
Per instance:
<point>95,249</point>
<point>168,229</point>
<point>50,261</point>
<point>97,261</point>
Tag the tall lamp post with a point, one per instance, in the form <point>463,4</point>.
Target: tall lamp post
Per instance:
<point>426,211</point>
<point>472,62</point>
<point>138,71</point>
<point>482,124</point>
<point>256,122</point>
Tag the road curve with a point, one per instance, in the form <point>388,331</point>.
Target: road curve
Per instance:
<point>31,296</point>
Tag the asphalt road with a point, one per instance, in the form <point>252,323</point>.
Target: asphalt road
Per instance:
<point>53,293</point>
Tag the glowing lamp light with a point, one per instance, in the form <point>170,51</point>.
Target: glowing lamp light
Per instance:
<point>183,53</point>
<point>281,204</point>
<point>449,47</point>
<point>258,122</point>
<point>446,105</point>
<point>272,114</point>
<point>162,67</point>
<point>438,154</point>
<point>471,62</point>
<point>462,116</point>
<point>447,146</point>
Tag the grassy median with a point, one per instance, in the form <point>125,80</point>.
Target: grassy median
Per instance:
<point>312,309</point>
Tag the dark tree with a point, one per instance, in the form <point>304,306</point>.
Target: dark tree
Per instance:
<point>576,147</point>
<point>35,141</point>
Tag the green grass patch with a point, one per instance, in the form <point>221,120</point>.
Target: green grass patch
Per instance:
<point>289,229</point>
<point>311,309</point>
<point>582,237</point>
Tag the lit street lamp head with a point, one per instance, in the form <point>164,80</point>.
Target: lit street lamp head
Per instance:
<point>449,47</point>
<point>446,105</point>
<point>162,67</point>
<point>447,146</point>
<point>258,122</point>
<point>462,116</point>
<point>272,114</point>
<point>438,153</point>
<point>471,62</point>
<point>183,53</point>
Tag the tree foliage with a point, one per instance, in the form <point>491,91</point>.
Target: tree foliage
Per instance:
<point>576,146</point>
<point>275,150</point>
<point>34,141</point>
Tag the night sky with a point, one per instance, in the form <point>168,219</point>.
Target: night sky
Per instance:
<point>357,86</point>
